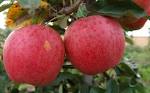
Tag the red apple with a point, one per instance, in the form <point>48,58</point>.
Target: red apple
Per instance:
<point>133,25</point>
<point>145,4</point>
<point>94,44</point>
<point>148,11</point>
<point>33,55</point>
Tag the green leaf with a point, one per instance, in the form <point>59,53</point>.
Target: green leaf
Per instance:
<point>22,87</point>
<point>5,6</point>
<point>64,76</point>
<point>124,82</point>
<point>121,9</point>
<point>117,8</point>
<point>62,22</point>
<point>140,88</point>
<point>82,11</point>
<point>112,86</point>
<point>128,90</point>
<point>84,89</point>
<point>30,4</point>
<point>58,29</point>
<point>14,90</point>
<point>3,84</point>
<point>95,5</point>
<point>1,1</point>
<point>127,69</point>
<point>97,90</point>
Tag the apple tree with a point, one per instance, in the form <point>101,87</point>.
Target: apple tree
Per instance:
<point>84,43</point>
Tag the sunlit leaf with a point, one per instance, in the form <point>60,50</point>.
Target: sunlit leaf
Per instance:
<point>62,22</point>
<point>5,6</point>
<point>127,69</point>
<point>82,11</point>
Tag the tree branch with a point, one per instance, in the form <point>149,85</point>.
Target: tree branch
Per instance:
<point>65,10</point>
<point>70,9</point>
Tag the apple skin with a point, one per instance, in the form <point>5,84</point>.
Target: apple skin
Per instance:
<point>142,3</point>
<point>94,44</point>
<point>148,11</point>
<point>133,24</point>
<point>137,24</point>
<point>33,55</point>
<point>145,4</point>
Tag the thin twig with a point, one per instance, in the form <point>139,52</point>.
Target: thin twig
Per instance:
<point>70,9</point>
<point>71,2</point>
<point>64,3</point>
<point>65,10</point>
<point>19,20</point>
<point>51,7</point>
<point>56,18</point>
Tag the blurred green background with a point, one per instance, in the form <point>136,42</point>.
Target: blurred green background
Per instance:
<point>141,56</point>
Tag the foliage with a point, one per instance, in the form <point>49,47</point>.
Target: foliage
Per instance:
<point>124,78</point>
<point>121,79</point>
<point>141,56</point>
